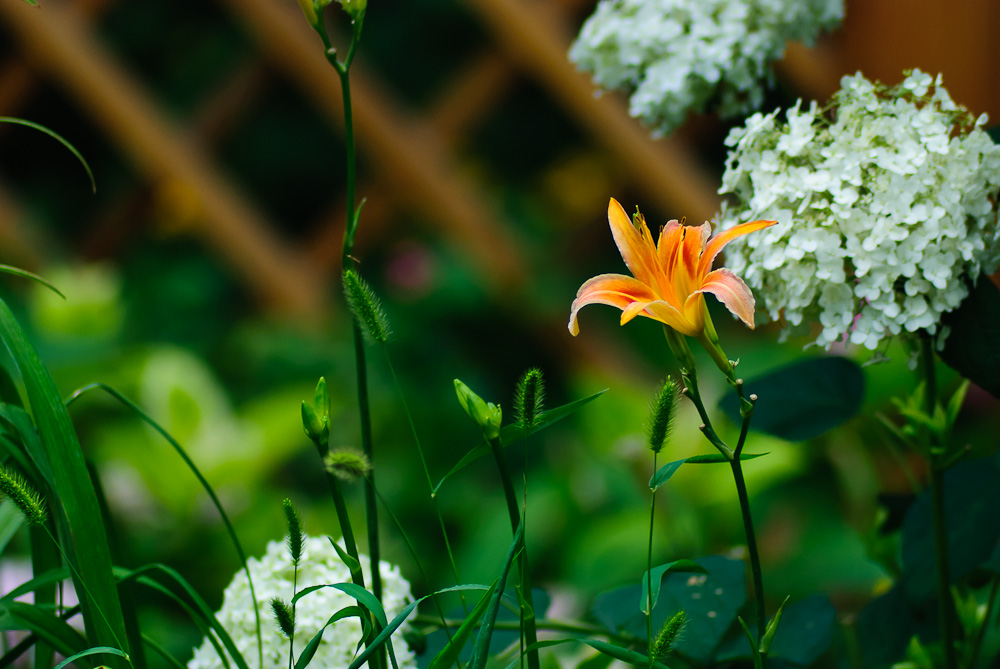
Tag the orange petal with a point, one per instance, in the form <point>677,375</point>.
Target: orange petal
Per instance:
<point>635,245</point>
<point>723,238</point>
<point>616,290</point>
<point>668,248</point>
<point>732,292</point>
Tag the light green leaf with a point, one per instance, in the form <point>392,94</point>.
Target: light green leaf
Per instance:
<point>449,654</point>
<point>675,567</point>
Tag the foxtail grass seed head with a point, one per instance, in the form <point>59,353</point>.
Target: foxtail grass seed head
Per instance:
<point>366,308</point>
<point>15,487</point>
<point>484,414</point>
<point>529,397</point>
<point>669,635</point>
<point>294,531</point>
<point>661,414</point>
<point>347,464</point>
<point>284,617</point>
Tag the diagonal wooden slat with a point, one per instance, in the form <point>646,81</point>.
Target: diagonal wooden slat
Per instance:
<point>666,170</point>
<point>57,41</point>
<point>404,150</point>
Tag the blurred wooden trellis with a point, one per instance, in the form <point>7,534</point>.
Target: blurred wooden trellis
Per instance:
<point>411,150</point>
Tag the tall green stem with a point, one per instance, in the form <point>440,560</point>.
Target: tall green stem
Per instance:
<point>946,615</point>
<point>530,631</point>
<point>649,572</point>
<point>758,579</point>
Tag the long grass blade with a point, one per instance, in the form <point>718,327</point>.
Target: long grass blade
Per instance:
<point>481,649</point>
<point>84,536</point>
<point>53,135</point>
<point>46,626</point>
<point>230,530</point>
<point>96,650</point>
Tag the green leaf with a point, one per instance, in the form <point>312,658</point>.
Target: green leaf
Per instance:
<point>96,650</point>
<point>675,567</point>
<point>11,520</point>
<point>806,631</point>
<point>512,433</point>
<point>615,652</point>
<point>401,617</point>
<point>717,458</point>
<point>352,565</point>
<point>972,497</point>
<point>448,655</point>
<point>664,473</point>
<point>973,345</point>
<point>804,399</point>
<point>306,656</point>
<point>481,647</point>
<point>16,271</point>
<point>41,622</point>
<point>84,536</point>
<point>230,530</point>
<point>53,135</point>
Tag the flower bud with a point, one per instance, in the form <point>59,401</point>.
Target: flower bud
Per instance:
<point>316,416</point>
<point>354,8</point>
<point>484,414</point>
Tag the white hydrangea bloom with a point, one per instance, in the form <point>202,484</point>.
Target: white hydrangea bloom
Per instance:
<point>681,55</point>
<point>272,577</point>
<point>885,214</point>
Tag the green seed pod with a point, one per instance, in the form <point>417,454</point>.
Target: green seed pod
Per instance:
<point>661,414</point>
<point>529,396</point>
<point>284,617</point>
<point>347,464</point>
<point>294,531</point>
<point>669,634</point>
<point>15,487</point>
<point>366,308</point>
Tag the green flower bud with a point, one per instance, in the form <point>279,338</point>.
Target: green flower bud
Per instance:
<point>316,416</point>
<point>309,9</point>
<point>484,414</point>
<point>354,8</point>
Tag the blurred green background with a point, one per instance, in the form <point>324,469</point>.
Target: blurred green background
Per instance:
<point>202,281</point>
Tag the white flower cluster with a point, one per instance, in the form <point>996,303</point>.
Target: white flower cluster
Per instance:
<point>885,213</point>
<point>272,577</point>
<point>681,55</point>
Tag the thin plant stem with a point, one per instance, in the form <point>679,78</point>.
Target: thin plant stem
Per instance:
<point>530,631</point>
<point>691,390</point>
<point>427,473</point>
<point>946,618</point>
<point>649,570</point>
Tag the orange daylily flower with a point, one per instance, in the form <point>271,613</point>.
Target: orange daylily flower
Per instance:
<point>668,280</point>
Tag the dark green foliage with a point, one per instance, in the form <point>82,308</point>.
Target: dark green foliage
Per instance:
<point>973,346</point>
<point>804,399</point>
<point>972,497</point>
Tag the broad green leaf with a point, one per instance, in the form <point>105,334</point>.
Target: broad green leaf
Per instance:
<point>886,625</point>
<point>973,345</point>
<point>512,433</point>
<point>972,497</point>
<point>449,654</point>
<point>675,567</point>
<point>481,647</point>
<point>83,533</point>
<point>664,473</point>
<point>53,135</point>
<point>96,650</point>
<point>802,400</point>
